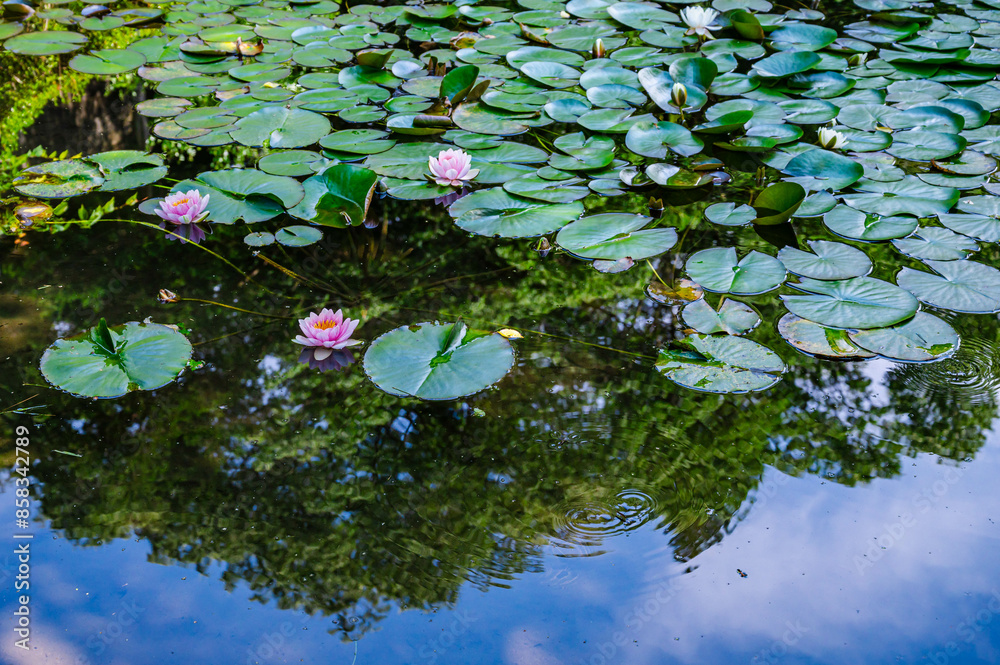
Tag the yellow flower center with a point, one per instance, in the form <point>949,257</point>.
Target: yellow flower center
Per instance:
<point>325,325</point>
<point>181,202</point>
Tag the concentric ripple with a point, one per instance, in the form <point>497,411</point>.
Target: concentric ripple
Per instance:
<point>972,375</point>
<point>585,525</point>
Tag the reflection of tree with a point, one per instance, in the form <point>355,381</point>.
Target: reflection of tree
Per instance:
<point>322,493</point>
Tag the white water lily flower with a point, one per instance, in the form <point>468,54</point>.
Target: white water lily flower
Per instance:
<point>700,21</point>
<point>831,139</point>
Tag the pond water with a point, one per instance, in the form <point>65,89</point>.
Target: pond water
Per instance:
<point>673,375</point>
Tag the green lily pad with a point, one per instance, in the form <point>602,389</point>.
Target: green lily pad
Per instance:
<point>45,43</point>
<point>655,139</point>
<point>247,194</point>
<point>613,236</point>
<point>813,339</point>
<point>339,196</point>
<point>937,244</point>
<point>128,169</point>
<point>777,203</point>
<point>959,286</point>
<point>721,364</point>
<point>923,338</point>
<point>860,302</point>
<point>920,146</point>
<point>494,212</point>
<point>482,119</point>
<point>732,318</point>
<point>856,225</point>
<point>718,269</point>
<point>908,196</point>
<point>979,227</point>
<point>551,74</point>
<point>107,62</point>
<point>435,361</point>
<point>828,260</point>
<point>111,361</point>
<point>259,239</point>
<point>294,163</point>
<point>298,236</point>
<point>822,169</point>
<point>279,127</point>
<point>59,179</point>
<point>786,63</point>
<point>729,214</point>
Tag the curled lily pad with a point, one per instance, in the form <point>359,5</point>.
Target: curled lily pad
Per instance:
<point>959,286</point>
<point>111,361</point>
<point>777,203</point>
<point>59,179</point>
<point>339,196</point>
<point>860,302</point>
<point>718,269</point>
<point>923,338</point>
<point>435,361</point>
<point>721,364</point>
<point>813,339</point>
<point>613,236</point>
<point>828,260</point>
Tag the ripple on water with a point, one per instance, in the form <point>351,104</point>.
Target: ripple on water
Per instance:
<point>971,375</point>
<point>585,524</point>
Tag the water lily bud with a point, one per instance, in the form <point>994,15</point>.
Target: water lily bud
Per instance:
<point>857,59</point>
<point>679,95</point>
<point>598,51</point>
<point>166,296</point>
<point>830,139</point>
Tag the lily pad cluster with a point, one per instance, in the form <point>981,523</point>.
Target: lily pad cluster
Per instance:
<point>877,133</point>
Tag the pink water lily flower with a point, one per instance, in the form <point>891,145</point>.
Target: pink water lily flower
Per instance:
<point>185,209</point>
<point>451,168</point>
<point>329,330</point>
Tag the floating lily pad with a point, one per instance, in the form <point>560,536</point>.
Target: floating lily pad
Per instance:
<point>729,214</point>
<point>613,236</point>
<point>959,286</point>
<point>860,302</point>
<point>850,223</point>
<point>259,239</point>
<point>59,179</point>
<point>298,236</point>
<point>435,361</point>
<point>721,364</point>
<point>655,139</point>
<point>128,169</point>
<point>777,203</point>
<point>247,194</point>
<point>908,196</point>
<point>828,260</point>
<point>936,243</point>
<point>107,62</point>
<point>279,127</point>
<point>45,43</point>
<point>823,169</point>
<point>732,318</point>
<point>718,269</point>
<point>813,339</point>
<point>111,361</point>
<point>923,338</point>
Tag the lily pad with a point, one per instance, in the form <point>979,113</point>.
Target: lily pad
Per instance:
<point>822,169</point>
<point>959,286</point>
<point>111,361</point>
<point>828,260</point>
<point>339,196</point>
<point>856,225</point>
<point>718,269</point>
<point>732,318</point>
<point>729,214</point>
<point>128,169</point>
<point>247,194</point>
<point>279,127</point>
<point>47,42</point>
<point>613,236</point>
<point>721,364</point>
<point>777,203</point>
<point>655,139</point>
<point>936,243</point>
<point>813,339</point>
<point>923,338</point>
<point>435,361</point>
<point>860,302</point>
<point>59,179</point>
